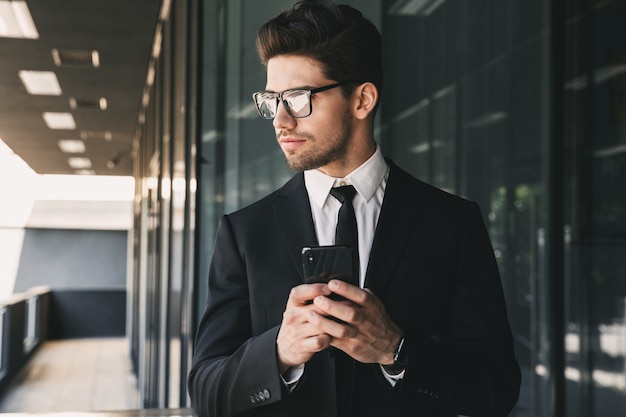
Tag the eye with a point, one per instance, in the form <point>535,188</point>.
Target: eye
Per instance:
<point>298,102</point>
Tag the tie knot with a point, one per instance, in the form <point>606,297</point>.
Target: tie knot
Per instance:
<point>343,193</point>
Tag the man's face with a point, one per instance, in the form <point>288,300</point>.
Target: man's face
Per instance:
<point>320,140</point>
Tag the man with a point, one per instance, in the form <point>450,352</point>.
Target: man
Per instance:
<point>425,333</point>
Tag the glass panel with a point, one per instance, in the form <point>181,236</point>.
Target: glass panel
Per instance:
<point>464,109</point>
<point>444,139</point>
<point>240,160</point>
<point>258,176</point>
<point>595,123</point>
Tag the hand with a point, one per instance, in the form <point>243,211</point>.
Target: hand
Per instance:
<point>367,333</point>
<point>298,339</point>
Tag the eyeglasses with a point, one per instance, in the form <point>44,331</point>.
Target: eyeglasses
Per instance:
<point>297,101</point>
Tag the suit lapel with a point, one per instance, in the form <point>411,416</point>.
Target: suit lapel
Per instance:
<point>398,216</point>
<point>293,214</point>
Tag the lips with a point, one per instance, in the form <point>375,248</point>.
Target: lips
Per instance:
<point>290,143</point>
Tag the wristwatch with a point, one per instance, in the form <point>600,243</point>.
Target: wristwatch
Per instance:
<point>399,359</point>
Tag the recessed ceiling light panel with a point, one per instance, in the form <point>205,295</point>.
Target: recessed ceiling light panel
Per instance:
<point>59,120</point>
<point>79,163</point>
<point>16,20</point>
<point>72,146</point>
<point>85,172</point>
<point>43,83</point>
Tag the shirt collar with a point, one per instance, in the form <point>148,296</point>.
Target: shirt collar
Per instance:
<point>365,179</point>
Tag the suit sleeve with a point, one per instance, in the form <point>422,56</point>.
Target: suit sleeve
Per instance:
<point>233,372</point>
<point>470,367</point>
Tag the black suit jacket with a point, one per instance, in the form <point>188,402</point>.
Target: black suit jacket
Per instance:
<point>431,264</point>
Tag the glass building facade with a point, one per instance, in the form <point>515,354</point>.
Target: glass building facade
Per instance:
<point>519,105</point>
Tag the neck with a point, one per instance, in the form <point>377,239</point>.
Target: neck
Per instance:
<point>353,159</point>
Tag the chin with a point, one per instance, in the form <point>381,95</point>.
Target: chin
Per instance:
<point>298,165</point>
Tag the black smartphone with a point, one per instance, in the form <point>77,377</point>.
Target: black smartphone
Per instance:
<point>323,263</point>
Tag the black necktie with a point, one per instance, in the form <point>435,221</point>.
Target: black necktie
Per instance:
<point>347,235</point>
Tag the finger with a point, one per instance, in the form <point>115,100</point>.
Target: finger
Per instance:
<point>304,293</point>
<point>295,338</point>
<point>302,350</point>
<point>331,327</point>
<point>293,352</point>
<point>317,343</point>
<point>349,316</point>
<point>298,315</point>
<point>348,291</point>
<point>292,335</point>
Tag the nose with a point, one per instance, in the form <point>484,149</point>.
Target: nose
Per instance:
<point>283,120</point>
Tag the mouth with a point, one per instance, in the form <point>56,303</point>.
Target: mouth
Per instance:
<point>288,143</point>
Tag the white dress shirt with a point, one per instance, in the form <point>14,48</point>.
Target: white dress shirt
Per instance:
<point>370,181</point>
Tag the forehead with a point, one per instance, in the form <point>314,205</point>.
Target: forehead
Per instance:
<point>290,71</point>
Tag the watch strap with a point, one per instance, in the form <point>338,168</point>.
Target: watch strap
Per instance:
<point>399,359</point>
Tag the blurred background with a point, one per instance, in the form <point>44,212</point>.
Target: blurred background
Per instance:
<point>139,133</point>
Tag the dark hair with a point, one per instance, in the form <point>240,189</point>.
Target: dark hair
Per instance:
<point>339,37</point>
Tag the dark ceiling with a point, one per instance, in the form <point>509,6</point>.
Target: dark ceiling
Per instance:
<point>122,33</point>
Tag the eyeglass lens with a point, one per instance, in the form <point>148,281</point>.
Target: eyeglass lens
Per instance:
<point>297,103</point>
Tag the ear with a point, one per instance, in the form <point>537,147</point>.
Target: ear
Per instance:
<point>365,97</point>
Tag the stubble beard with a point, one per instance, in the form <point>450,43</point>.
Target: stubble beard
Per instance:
<point>316,158</point>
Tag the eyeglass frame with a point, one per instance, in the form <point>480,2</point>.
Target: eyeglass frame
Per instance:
<point>279,98</point>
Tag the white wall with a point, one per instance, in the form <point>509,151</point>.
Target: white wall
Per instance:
<point>29,200</point>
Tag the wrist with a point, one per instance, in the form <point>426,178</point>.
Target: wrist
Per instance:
<point>283,368</point>
<point>283,364</point>
<point>388,358</point>
<point>399,358</point>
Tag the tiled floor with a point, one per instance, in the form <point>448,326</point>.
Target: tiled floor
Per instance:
<point>75,375</point>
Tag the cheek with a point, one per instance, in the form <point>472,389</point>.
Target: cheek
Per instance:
<point>333,121</point>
